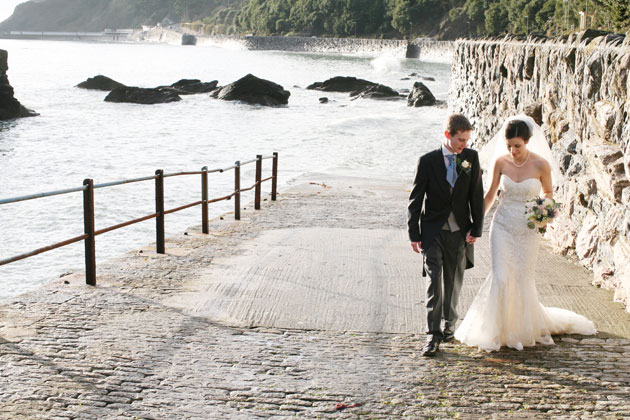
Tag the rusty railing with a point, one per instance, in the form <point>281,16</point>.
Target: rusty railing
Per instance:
<point>90,232</point>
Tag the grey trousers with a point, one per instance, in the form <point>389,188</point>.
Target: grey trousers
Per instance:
<point>444,262</point>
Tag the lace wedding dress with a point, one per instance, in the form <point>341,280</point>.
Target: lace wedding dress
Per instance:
<point>506,310</point>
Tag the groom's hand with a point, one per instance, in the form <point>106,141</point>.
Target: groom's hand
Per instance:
<point>416,246</point>
<point>470,239</point>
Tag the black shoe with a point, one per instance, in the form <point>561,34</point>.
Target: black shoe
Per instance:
<point>448,336</point>
<point>432,346</point>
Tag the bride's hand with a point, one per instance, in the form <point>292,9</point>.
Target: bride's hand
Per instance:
<point>416,246</point>
<point>470,239</point>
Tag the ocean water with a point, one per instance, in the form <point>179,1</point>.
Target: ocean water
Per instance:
<point>79,136</point>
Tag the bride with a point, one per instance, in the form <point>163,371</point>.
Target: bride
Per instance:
<point>506,310</point>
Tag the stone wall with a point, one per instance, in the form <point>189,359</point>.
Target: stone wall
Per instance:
<point>9,106</point>
<point>315,44</point>
<point>580,90</point>
<point>425,49</point>
<point>157,35</point>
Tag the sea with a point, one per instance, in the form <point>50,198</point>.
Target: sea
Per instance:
<point>78,135</point>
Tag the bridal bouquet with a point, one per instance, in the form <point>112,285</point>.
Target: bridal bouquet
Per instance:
<point>540,211</point>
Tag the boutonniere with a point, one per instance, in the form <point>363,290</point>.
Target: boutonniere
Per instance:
<point>464,165</point>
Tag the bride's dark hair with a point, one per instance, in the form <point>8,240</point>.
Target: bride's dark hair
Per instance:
<point>517,128</point>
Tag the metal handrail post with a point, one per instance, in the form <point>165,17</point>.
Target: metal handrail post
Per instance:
<point>88,229</point>
<point>159,209</point>
<point>204,199</point>
<point>258,186</point>
<point>237,190</point>
<point>274,174</point>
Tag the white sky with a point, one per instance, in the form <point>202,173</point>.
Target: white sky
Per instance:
<point>7,7</point>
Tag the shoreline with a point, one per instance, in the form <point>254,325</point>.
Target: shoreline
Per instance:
<point>425,49</point>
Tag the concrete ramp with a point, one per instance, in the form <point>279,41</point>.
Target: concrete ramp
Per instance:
<point>318,278</point>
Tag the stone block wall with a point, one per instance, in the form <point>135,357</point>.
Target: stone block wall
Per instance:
<point>579,89</point>
<point>427,49</point>
<point>315,44</point>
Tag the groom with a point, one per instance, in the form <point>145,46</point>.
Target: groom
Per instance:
<point>448,183</point>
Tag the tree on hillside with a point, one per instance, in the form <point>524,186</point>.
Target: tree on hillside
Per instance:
<point>544,17</point>
<point>620,13</point>
<point>496,19</point>
<point>375,19</point>
<point>417,16</point>
<point>475,12</point>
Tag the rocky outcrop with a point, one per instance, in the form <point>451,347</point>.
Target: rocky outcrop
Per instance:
<point>420,96</point>
<point>579,89</point>
<point>376,92</point>
<point>100,82</point>
<point>9,106</point>
<point>341,84</point>
<point>255,91</point>
<point>145,96</point>
<point>192,86</point>
<point>188,39</point>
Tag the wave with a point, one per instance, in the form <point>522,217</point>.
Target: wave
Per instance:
<point>386,63</point>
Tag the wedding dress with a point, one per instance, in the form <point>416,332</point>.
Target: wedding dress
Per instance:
<point>506,310</point>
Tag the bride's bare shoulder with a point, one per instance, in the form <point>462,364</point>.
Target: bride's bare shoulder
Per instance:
<point>501,160</point>
<point>540,162</point>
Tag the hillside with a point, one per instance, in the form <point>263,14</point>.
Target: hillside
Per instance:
<point>96,15</point>
<point>338,18</point>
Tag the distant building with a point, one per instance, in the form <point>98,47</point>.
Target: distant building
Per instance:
<point>168,23</point>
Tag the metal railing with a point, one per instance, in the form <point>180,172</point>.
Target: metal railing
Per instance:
<point>90,231</point>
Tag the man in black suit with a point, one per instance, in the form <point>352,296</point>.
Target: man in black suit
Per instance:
<point>448,183</point>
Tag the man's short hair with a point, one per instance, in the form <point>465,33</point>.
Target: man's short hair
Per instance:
<point>456,123</point>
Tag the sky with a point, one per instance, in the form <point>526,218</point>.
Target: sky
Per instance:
<point>7,7</point>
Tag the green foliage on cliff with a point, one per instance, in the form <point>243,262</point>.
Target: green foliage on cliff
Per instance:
<point>443,19</point>
<point>315,17</point>
<point>549,17</point>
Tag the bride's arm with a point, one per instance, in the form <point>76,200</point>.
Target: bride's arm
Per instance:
<point>491,194</point>
<point>545,180</point>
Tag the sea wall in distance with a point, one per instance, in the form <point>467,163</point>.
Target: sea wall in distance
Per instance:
<point>108,35</point>
<point>424,49</point>
<point>580,90</point>
<point>325,45</point>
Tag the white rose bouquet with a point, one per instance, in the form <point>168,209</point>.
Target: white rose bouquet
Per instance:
<point>539,212</point>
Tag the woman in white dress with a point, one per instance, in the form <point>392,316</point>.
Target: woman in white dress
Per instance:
<point>506,310</point>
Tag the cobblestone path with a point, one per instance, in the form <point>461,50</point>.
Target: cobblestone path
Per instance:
<point>122,350</point>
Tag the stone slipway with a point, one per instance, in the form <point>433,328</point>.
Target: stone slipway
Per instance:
<point>314,301</point>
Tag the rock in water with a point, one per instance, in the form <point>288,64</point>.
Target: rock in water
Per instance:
<point>9,106</point>
<point>188,39</point>
<point>420,96</point>
<point>193,86</point>
<point>255,91</point>
<point>376,92</point>
<point>100,82</point>
<point>341,84</point>
<point>144,96</point>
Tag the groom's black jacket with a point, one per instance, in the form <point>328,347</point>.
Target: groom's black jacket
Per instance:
<point>466,200</point>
